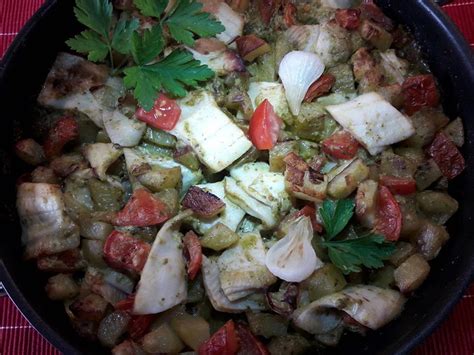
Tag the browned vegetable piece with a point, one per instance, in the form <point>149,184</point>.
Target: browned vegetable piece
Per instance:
<point>411,221</point>
<point>438,206</point>
<point>426,174</point>
<point>128,347</point>
<point>367,72</point>
<point>44,174</point>
<point>291,344</point>
<point>30,151</point>
<point>376,35</point>
<point>61,287</point>
<point>66,164</point>
<point>187,157</point>
<point>324,281</point>
<point>455,132</point>
<point>161,178</point>
<point>91,307</point>
<point>239,5</point>
<point>219,237</point>
<point>250,47</point>
<point>403,252</point>
<point>203,203</point>
<point>430,239</point>
<point>424,122</point>
<point>267,325</point>
<point>170,197</point>
<point>320,87</point>
<point>395,165</point>
<point>91,229</point>
<point>278,154</point>
<point>162,340</point>
<point>392,93</point>
<point>384,277</point>
<point>193,330</point>
<point>112,327</point>
<point>93,252</point>
<point>366,203</point>
<point>67,261</point>
<point>348,180</point>
<point>411,273</point>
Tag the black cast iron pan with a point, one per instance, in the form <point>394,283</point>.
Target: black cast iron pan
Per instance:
<point>24,68</point>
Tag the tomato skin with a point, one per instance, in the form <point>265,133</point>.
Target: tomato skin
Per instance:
<point>310,211</point>
<point>164,114</point>
<point>124,252</point>
<point>249,343</point>
<point>399,186</point>
<point>264,126</point>
<point>289,14</point>
<point>193,251</point>
<point>389,216</point>
<point>222,342</point>
<point>320,87</point>
<point>64,130</point>
<point>142,209</point>
<point>419,91</point>
<point>139,324</point>
<point>341,145</point>
<point>267,9</point>
<point>348,18</point>
<point>447,156</point>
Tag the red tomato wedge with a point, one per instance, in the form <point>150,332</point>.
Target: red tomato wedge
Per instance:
<point>264,126</point>
<point>139,324</point>
<point>143,209</point>
<point>249,343</point>
<point>389,216</point>
<point>419,91</point>
<point>193,253</point>
<point>222,342</point>
<point>341,145</point>
<point>310,211</point>
<point>447,156</point>
<point>267,9</point>
<point>164,114</point>
<point>64,130</point>
<point>124,252</point>
<point>399,186</point>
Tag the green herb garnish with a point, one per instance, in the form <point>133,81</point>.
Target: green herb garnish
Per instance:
<point>152,71</point>
<point>349,255</point>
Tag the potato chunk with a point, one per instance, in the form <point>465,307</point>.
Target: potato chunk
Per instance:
<point>411,273</point>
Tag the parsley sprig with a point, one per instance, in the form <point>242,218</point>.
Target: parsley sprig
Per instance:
<point>349,255</point>
<point>152,71</point>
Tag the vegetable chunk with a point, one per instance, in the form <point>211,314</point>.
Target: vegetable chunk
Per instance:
<point>372,121</point>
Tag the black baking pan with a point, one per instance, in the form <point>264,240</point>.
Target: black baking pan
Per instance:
<point>24,69</point>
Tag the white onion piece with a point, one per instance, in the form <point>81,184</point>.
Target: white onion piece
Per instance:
<point>293,258</point>
<point>122,130</point>
<point>298,70</point>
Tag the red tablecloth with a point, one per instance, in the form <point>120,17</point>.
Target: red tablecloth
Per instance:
<point>455,336</point>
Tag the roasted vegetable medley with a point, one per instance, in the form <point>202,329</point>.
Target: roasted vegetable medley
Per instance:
<point>236,177</point>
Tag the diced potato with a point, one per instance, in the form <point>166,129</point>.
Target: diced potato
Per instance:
<point>430,239</point>
<point>162,340</point>
<point>196,291</point>
<point>189,160</point>
<point>438,206</point>
<point>274,93</point>
<point>61,287</point>
<point>166,316</point>
<point>324,281</point>
<point>403,252</point>
<point>278,153</point>
<point>89,308</point>
<point>161,178</point>
<point>415,155</point>
<point>219,237</point>
<point>91,229</point>
<point>293,344</point>
<point>411,221</point>
<point>344,78</point>
<point>425,129</point>
<point>92,252</point>
<point>312,122</point>
<point>383,277</point>
<point>411,273</point>
<point>192,330</point>
<point>376,35</point>
<point>426,174</point>
<point>112,327</point>
<point>267,325</point>
<point>395,165</point>
<point>170,197</point>
<point>106,196</point>
<point>455,131</point>
<point>366,203</point>
<point>347,181</point>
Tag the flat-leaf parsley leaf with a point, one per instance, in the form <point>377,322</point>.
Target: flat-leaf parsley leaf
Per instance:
<point>350,254</point>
